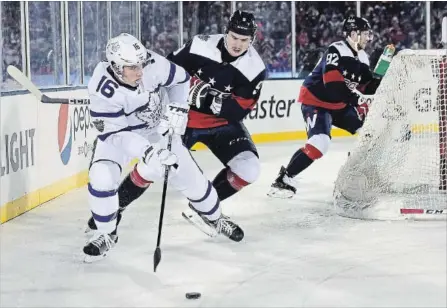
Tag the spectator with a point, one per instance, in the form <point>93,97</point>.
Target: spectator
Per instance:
<point>318,24</point>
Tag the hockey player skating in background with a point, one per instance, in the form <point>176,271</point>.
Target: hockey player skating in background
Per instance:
<point>133,121</point>
<point>328,98</point>
<point>227,75</point>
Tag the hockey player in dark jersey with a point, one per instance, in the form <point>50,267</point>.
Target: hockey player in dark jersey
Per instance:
<point>227,75</point>
<point>328,98</point>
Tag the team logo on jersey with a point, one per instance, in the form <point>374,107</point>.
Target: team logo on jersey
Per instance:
<point>64,134</point>
<point>351,85</point>
<point>151,115</point>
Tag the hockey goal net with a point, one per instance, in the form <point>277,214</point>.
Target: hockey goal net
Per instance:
<point>398,168</point>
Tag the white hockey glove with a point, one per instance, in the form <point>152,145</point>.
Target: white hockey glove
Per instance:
<point>216,105</point>
<point>165,156</point>
<point>198,91</point>
<point>175,118</point>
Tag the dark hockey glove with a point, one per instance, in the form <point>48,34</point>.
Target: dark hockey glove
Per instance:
<point>198,90</point>
<point>371,87</point>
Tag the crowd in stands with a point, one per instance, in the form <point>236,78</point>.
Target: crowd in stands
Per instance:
<point>11,41</point>
<point>317,24</point>
<point>159,26</point>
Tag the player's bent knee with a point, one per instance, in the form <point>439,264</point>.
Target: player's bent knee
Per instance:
<point>245,166</point>
<point>317,146</point>
<point>104,175</point>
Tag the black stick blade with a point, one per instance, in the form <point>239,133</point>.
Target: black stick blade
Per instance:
<point>157,258</point>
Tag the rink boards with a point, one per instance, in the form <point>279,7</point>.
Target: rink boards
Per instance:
<point>45,149</point>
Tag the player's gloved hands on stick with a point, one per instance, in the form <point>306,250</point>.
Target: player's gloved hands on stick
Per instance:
<point>165,156</point>
<point>174,119</point>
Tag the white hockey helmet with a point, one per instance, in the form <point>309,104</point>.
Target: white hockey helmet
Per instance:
<point>125,50</point>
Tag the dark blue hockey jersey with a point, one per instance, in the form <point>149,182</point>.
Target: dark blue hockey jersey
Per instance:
<point>239,81</point>
<point>339,71</point>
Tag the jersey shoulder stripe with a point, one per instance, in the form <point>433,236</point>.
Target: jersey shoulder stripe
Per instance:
<point>363,57</point>
<point>342,49</point>
<point>206,46</point>
<point>250,64</point>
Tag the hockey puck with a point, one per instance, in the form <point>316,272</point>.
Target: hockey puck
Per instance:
<point>193,295</point>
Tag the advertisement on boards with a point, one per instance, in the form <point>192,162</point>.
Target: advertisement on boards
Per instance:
<point>17,151</point>
<point>277,109</point>
<point>69,135</point>
<point>73,129</point>
<point>19,147</point>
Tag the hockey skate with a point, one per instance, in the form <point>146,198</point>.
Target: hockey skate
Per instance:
<point>282,187</point>
<point>223,225</point>
<point>99,245</point>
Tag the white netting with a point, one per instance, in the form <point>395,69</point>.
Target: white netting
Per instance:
<point>399,162</point>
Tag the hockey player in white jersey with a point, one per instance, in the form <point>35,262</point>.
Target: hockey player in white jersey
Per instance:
<point>133,119</point>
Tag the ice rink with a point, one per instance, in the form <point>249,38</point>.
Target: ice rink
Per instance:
<point>296,253</point>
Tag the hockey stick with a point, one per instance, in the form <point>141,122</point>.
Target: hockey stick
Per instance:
<point>157,253</point>
<point>442,109</point>
<point>21,78</point>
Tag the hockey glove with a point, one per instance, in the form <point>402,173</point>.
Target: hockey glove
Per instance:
<point>175,118</point>
<point>371,87</point>
<point>198,91</point>
<point>216,105</point>
<point>164,156</point>
<point>362,111</point>
<point>362,108</point>
<point>218,98</point>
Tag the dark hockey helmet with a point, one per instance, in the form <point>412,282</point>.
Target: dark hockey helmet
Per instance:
<point>354,23</point>
<point>242,23</point>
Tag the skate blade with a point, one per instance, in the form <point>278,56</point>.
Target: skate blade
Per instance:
<point>280,193</point>
<point>88,230</point>
<point>194,219</point>
<point>92,259</point>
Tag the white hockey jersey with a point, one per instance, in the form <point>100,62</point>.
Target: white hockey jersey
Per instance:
<point>123,114</point>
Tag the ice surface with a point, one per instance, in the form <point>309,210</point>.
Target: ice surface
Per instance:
<point>296,253</point>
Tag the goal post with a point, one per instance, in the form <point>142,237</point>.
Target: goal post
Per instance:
<point>398,167</point>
